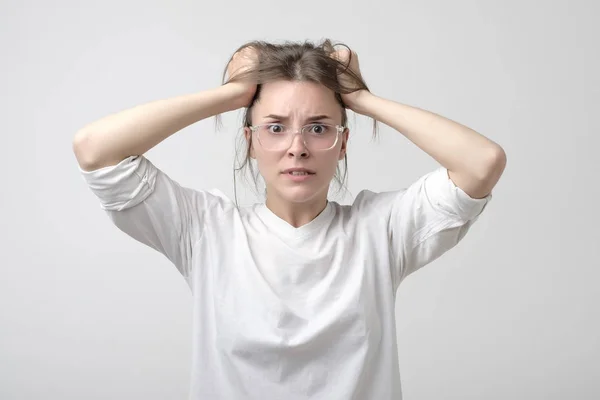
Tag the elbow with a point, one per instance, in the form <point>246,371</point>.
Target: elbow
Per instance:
<point>483,174</point>
<point>496,162</point>
<point>493,167</point>
<point>83,150</point>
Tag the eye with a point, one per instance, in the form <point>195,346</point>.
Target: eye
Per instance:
<point>275,128</point>
<point>318,129</point>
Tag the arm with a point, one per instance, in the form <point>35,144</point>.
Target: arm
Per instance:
<point>435,212</point>
<point>474,162</point>
<point>134,131</point>
<point>139,198</point>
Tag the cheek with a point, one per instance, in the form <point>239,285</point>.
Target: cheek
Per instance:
<point>267,163</point>
<point>327,165</point>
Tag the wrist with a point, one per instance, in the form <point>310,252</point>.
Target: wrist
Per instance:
<point>359,101</point>
<point>239,94</point>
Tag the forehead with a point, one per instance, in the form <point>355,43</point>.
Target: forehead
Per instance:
<point>296,100</point>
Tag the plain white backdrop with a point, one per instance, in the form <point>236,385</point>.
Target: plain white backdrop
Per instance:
<point>510,313</point>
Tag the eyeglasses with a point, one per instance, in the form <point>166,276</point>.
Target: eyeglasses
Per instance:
<point>315,136</point>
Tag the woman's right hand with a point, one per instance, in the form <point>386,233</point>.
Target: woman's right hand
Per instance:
<point>242,61</point>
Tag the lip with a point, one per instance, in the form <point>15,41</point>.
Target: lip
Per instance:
<point>298,178</point>
<point>287,171</point>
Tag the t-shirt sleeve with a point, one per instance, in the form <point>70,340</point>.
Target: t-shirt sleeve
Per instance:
<point>427,219</point>
<point>149,206</point>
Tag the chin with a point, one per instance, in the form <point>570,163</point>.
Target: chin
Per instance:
<point>301,193</point>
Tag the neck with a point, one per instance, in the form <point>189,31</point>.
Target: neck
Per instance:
<point>296,214</point>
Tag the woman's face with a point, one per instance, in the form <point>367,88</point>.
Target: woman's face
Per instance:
<point>295,104</point>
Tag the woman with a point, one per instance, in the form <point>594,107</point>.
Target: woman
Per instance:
<point>293,298</point>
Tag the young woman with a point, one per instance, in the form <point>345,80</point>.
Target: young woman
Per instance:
<point>293,298</point>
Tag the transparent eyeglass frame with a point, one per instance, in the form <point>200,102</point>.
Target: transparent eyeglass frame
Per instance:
<point>338,128</point>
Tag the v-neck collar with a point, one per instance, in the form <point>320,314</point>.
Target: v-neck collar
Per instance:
<point>283,228</point>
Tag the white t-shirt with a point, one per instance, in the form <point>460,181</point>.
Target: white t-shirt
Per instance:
<point>282,312</point>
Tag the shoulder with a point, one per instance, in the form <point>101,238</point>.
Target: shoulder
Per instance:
<point>369,205</point>
<point>432,193</point>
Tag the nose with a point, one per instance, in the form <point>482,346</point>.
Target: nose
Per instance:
<point>297,147</point>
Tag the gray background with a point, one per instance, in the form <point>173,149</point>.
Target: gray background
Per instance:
<point>511,313</point>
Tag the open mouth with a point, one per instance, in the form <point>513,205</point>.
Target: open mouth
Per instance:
<point>300,173</point>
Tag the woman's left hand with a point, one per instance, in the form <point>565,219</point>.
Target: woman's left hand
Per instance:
<point>346,57</point>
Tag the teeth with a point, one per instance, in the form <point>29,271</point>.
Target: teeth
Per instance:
<point>298,173</point>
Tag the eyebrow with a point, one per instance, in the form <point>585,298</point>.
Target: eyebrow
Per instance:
<point>284,118</point>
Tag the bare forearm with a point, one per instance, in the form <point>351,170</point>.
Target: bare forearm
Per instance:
<point>136,130</point>
<point>475,163</point>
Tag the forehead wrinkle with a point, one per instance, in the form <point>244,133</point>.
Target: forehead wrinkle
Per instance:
<point>299,110</point>
<point>296,101</point>
<point>314,117</point>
